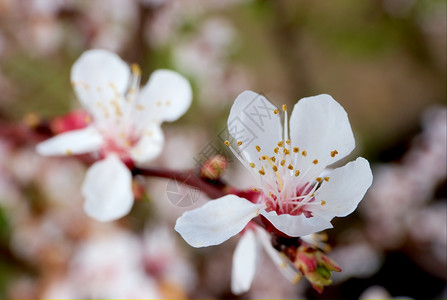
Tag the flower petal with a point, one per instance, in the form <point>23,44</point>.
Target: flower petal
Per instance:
<point>296,225</point>
<point>72,142</point>
<point>253,122</point>
<point>216,221</point>
<point>281,261</point>
<point>108,190</point>
<point>319,125</point>
<point>100,77</point>
<point>244,263</point>
<point>346,187</point>
<point>149,146</point>
<point>166,96</point>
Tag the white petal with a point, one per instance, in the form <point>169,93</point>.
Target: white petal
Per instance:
<point>99,77</point>
<point>166,96</point>
<point>296,225</point>
<point>107,190</point>
<point>253,122</point>
<point>320,125</point>
<point>280,260</point>
<point>72,142</point>
<point>149,146</point>
<point>216,221</point>
<point>346,187</point>
<point>244,263</point>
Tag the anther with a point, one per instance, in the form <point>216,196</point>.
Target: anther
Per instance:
<point>290,167</point>
<point>273,158</point>
<point>304,153</point>
<point>264,157</point>
<point>255,189</point>
<point>262,172</point>
<point>323,202</point>
<point>68,152</point>
<point>288,142</point>
<point>318,179</point>
<point>326,179</point>
<point>275,111</point>
<point>276,150</point>
<point>135,69</point>
<point>296,149</point>
<point>315,161</point>
<point>333,153</point>
<point>227,143</point>
<point>239,143</point>
<point>275,169</point>
<point>280,144</point>
<point>283,162</point>
<point>258,148</point>
<point>297,173</point>
<point>252,165</point>
<point>284,107</point>
<point>286,151</point>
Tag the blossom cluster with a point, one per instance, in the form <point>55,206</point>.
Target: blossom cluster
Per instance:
<point>296,194</point>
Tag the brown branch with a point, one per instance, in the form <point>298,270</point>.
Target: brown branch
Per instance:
<point>213,189</point>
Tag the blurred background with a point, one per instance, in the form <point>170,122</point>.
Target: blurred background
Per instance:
<point>383,60</point>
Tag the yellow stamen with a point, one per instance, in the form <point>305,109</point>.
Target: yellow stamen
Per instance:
<point>304,153</point>
<point>239,143</point>
<point>136,69</point>
<point>315,161</point>
<point>252,165</point>
<point>296,149</point>
<point>275,169</point>
<point>275,111</point>
<point>283,162</point>
<point>318,179</point>
<point>326,179</point>
<point>290,167</point>
<point>258,148</point>
<point>280,144</point>
<point>276,150</point>
<point>323,202</point>
<point>284,107</point>
<point>297,172</point>
<point>227,143</point>
<point>333,153</point>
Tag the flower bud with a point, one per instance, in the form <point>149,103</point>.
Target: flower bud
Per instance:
<point>214,167</point>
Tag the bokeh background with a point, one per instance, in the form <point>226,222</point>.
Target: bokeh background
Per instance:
<point>383,60</point>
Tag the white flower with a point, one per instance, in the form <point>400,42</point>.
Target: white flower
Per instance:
<point>294,196</point>
<point>124,128</point>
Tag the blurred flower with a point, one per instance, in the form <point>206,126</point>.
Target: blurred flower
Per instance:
<point>402,190</point>
<point>124,128</point>
<point>293,199</point>
<point>105,266</point>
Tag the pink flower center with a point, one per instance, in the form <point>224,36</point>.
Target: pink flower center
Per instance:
<point>121,146</point>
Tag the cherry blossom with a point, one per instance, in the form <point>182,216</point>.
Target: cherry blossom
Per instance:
<point>297,194</point>
<point>124,126</point>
